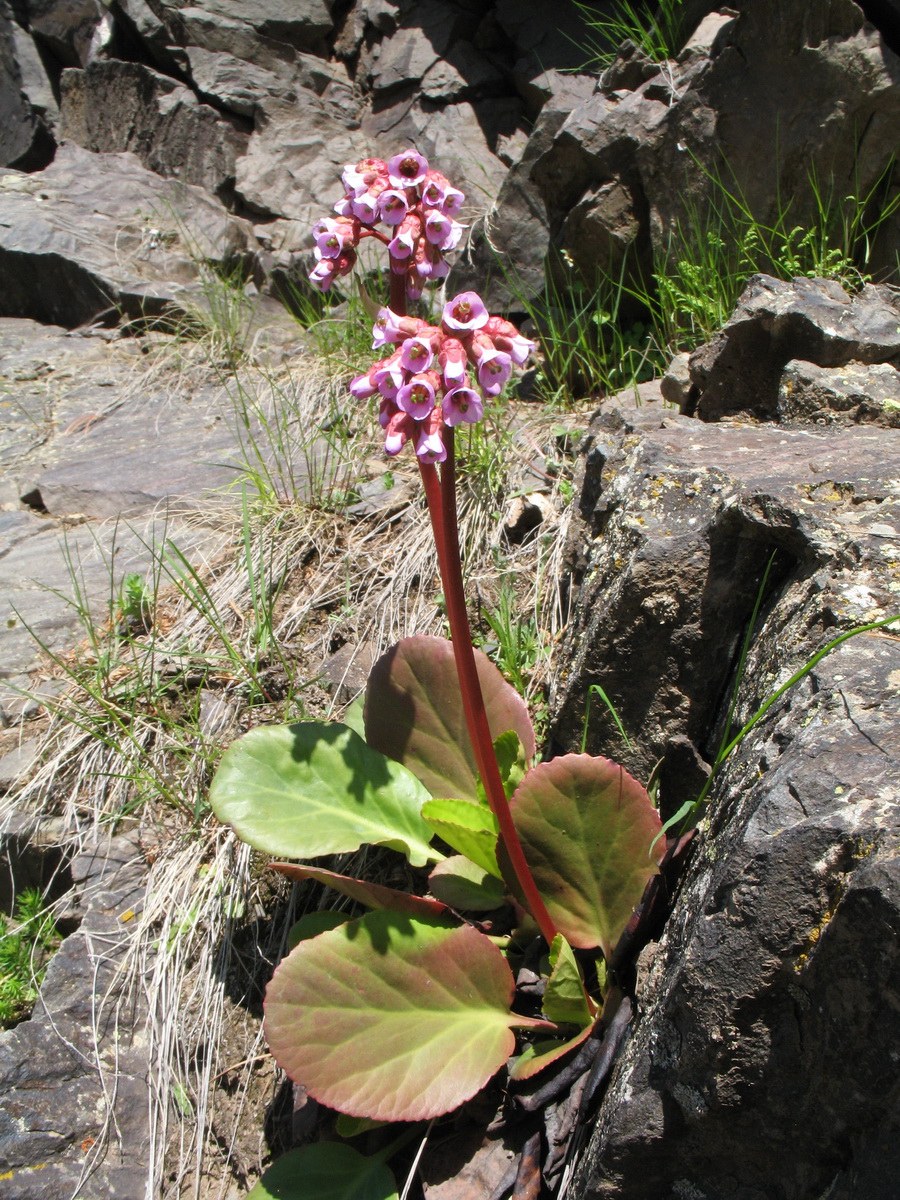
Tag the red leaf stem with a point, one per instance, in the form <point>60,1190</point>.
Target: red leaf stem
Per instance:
<point>442,507</point>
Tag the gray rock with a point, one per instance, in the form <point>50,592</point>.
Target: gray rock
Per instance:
<point>780,111</point>
<point>675,384</point>
<point>765,1032</point>
<point>78,1067</point>
<point>774,322</point>
<point>294,162</point>
<point>239,86</point>
<point>24,101</point>
<point>70,29</point>
<point>99,234</point>
<point>347,671</point>
<point>149,452</point>
<point>117,106</point>
<point>16,765</point>
<point>856,392</point>
<point>260,31</point>
<point>56,583</point>
<point>504,256</point>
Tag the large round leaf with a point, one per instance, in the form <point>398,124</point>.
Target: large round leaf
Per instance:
<point>325,1171</point>
<point>299,791</point>
<point>414,713</point>
<point>393,1018</point>
<point>586,827</point>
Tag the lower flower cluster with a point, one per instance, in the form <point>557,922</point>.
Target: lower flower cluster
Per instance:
<point>425,382</point>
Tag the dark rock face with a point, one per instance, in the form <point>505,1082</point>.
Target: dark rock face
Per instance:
<point>761,1061</point>
<point>139,252</point>
<point>114,106</point>
<point>814,320</point>
<point>66,1125</point>
<point>766,96</point>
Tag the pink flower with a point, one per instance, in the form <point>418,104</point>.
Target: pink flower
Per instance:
<point>389,327</point>
<point>435,189</point>
<point>323,274</point>
<point>429,445</point>
<point>464,313</point>
<point>365,207</point>
<point>414,284</point>
<point>407,169</point>
<point>453,361</point>
<point>506,337</point>
<point>333,236</point>
<point>452,202</point>
<point>418,396</point>
<point>416,354</point>
<point>494,369</point>
<point>357,179</point>
<point>393,206</point>
<point>400,428</point>
<point>389,377</point>
<point>462,404</point>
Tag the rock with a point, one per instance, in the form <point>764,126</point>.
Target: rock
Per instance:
<point>55,582</point>
<point>774,322</point>
<point>347,671</point>
<point>151,451</point>
<point>116,106</point>
<point>294,162</point>
<point>506,249</point>
<point>239,86</point>
<point>16,765</point>
<point>72,30</point>
<point>260,31</point>
<point>77,1070</point>
<point>25,99</point>
<point>855,392</point>
<point>763,1033</point>
<point>675,385</point>
<point>143,252</point>
<point>782,110</point>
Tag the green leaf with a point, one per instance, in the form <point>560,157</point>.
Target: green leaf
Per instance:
<point>316,788</point>
<point>586,828</point>
<point>373,895</point>
<point>312,924</point>
<point>565,1000</point>
<point>471,829</point>
<point>350,1127</point>
<point>393,1018</point>
<point>463,884</point>
<point>414,714</point>
<point>511,761</point>
<point>541,1054</point>
<point>325,1171</point>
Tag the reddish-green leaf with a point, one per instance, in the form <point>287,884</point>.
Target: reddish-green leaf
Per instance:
<point>310,925</point>
<point>469,828</point>
<point>541,1054</point>
<point>373,895</point>
<point>317,788</point>
<point>393,1018</point>
<point>565,1000</point>
<point>586,827</point>
<point>325,1171</point>
<point>414,714</point>
<point>462,884</point>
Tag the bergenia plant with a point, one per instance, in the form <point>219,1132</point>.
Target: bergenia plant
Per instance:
<point>407,1011</point>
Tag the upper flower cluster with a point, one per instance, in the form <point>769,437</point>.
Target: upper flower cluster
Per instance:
<point>417,203</point>
<point>425,383</point>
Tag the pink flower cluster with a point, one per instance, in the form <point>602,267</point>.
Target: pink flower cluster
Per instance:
<point>425,384</point>
<point>417,203</point>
